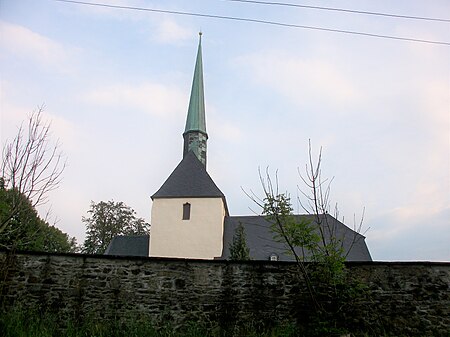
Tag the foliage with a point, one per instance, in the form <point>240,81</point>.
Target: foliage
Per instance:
<point>26,230</point>
<point>238,248</point>
<point>331,290</point>
<point>31,166</point>
<point>107,220</point>
<point>54,240</point>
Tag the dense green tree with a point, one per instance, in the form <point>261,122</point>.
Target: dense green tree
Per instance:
<point>21,229</point>
<point>238,248</point>
<point>56,241</point>
<point>107,220</point>
<point>26,230</point>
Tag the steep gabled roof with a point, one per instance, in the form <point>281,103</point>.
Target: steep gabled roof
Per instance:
<point>260,237</point>
<point>189,179</point>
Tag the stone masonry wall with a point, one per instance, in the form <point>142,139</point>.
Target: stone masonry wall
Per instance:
<point>410,299</point>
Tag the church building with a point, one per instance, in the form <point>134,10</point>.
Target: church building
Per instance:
<point>190,218</point>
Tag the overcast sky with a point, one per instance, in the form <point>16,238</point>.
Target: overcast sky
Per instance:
<point>116,87</point>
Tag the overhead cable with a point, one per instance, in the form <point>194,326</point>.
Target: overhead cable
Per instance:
<point>273,23</point>
<point>287,4</point>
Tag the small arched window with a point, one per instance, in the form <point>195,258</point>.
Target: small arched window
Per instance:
<point>186,211</point>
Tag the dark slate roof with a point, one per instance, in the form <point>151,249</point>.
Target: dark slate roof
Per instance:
<point>189,179</point>
<point>260,238</point>
<point>131,245</point>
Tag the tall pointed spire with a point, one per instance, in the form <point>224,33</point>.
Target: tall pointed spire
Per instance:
<point>195,135</point>
<point>196,114</point>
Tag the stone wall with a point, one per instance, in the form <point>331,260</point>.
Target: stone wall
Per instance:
<point>405,298</point>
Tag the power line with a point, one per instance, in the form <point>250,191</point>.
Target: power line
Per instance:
<point>286,4</point>
<point>273,23</point>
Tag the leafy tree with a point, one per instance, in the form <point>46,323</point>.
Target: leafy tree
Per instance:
<point>107,220</point>
<point>21,230</point>
<point>26,230</point>
<point>54,240</point>
<point>238,248</point>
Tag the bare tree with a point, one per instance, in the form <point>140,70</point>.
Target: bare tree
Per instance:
<point>31,166</point>
<point>318,203</point>
<point>277,209</point>
<point>308,240</point>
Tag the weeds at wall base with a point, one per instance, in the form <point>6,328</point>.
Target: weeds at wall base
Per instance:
<point>32,323</point>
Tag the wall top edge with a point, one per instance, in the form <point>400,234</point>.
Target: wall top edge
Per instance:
<point>171,259</point>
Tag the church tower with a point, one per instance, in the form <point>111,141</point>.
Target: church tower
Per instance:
<point>188,210</point>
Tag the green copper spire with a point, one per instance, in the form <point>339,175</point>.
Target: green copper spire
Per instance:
<point>196,114</point>
<point>195,136</point>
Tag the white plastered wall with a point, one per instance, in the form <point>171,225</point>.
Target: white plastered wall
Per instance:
<point>200,237</point>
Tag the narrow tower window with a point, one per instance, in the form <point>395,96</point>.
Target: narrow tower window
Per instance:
<point>186,211</point>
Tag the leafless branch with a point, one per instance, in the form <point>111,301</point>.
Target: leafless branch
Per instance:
<point>31,164</point>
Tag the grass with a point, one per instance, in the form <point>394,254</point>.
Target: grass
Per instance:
<point>31,323</point>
